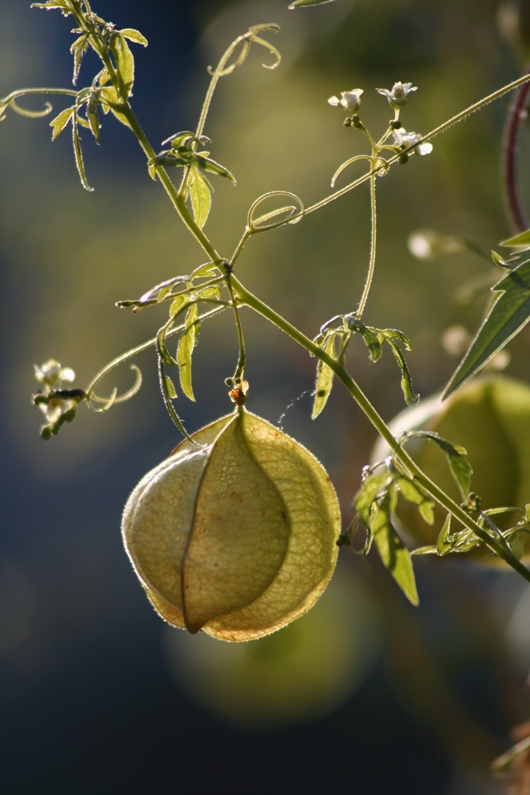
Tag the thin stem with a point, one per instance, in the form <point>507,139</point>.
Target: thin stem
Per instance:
<point>140,349</point>
<point>391,160</point>
<point>240,246</point>
<point>517,114</point>
<point>242,358</point>
<point>377,421</point>
<point>373,239</point>
<point>24,92</point>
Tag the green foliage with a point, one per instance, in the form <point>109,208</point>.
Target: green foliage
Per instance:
<point>375,502</point>
<point>183,167</point>
<point>507,317</point>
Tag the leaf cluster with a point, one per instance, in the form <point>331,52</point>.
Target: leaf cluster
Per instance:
<point>334,341</point>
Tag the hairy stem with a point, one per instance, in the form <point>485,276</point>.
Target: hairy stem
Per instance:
<point>373,239</point>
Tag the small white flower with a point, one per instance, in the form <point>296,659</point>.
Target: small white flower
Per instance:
<point>412,139</point>
<point>52,374</point>
<point>399,94</point>
<point>350,100</point>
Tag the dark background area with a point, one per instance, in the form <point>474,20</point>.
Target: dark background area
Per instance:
<point>367,695</point>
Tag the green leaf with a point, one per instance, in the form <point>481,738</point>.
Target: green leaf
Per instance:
<point>186,345</point>
<point>109,95</point>
<point>164,355</point>
<point>394,333</point>
<point>301,3</point>
<point>212,293</point>
<point>523,239</point>
<point>373,343</point>
<point>78,154</point>
<point>443,544</point>
<point>78,49</point>
<point>200,196</point>
<point>393,552</point>
<point>325,375</point>
<point>208,164</point>
<point>133,35</point>
<point>93,118</point>
<point>170,388</point>
<point>406,381</point>
<point>459,465</point>
<point>60,121</point>
<point>370,488</point>
<point>206,270</point>
<point>124,61</point>
<point>178,304</point>
<point>53,4</point>
<point>412,492</point>
<point>509,314</point>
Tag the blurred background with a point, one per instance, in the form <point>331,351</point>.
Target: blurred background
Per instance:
<point>365,694</point>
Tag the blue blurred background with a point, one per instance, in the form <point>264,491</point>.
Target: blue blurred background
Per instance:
<point>365,694</point>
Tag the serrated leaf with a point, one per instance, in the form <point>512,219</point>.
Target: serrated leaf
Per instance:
<point>509,314</point>
<point>185,348</point>
<point>133,35</point>
<point>124,61</point>
<point>301,3</point>
<point>410,396</point>
<point>392,551</point>
<point>61,120</point>
<point>523,239</point>
<point>200,196</point>
<point>325,376</point>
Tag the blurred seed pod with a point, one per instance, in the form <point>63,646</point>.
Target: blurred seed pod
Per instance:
<point>303,673</point>
<point>236,536</point>
<point>490,418</point>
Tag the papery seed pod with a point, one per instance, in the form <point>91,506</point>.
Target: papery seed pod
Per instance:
<point>236,537</point>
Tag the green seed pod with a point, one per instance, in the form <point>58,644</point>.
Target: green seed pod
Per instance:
<point>236,537</point>
<point>490,418</point>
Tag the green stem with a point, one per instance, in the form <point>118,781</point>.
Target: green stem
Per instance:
<point>244,296</point>
<point>140,349</point>
<point>373,238</point>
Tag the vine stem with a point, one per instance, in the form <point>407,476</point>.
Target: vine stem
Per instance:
<point>247,298</point>
<point>373,240</point>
